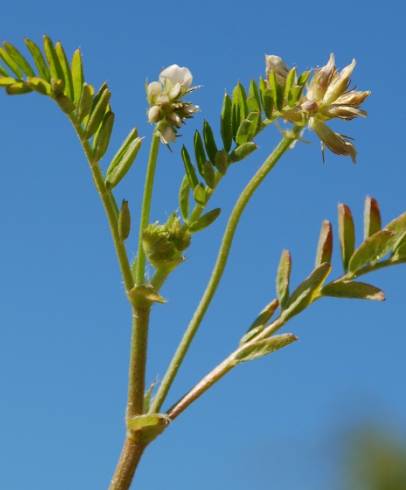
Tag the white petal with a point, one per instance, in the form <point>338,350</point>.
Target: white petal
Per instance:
<point>153,90</point>
<point>177,74</point>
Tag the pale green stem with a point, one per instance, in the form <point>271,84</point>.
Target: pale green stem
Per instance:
<point>219,266</point>
<point>109,207</point>
<point>220,370</point>
<point>146,207</point>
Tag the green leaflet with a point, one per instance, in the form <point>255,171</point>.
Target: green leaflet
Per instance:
<point>372,217</point>
<point>123,159</point>
<point>19,59</point>
<point>266,98</point>
<point>263,347</point>
<point>189,169</point>
<point>243,151</point>
<point>226,123</point>
<point>221,161</point>
<point>283,277</point>
<point>372,249</point>
<point>200,194</point>
<point>5,81</point>
<point>205,220</point>
<point>18,88</point>
<point>239,108</point>
<point>247,129</point>
<point>66,70</point>
<point>184,193</point>
<point>306,292</point>
<point>10,62</point>
<point>39,60</point>
<point>289,83</point>
<point>346,233</point>
<point>53,60</point>
<point>260,321</point>
<point>325,245</point>
<point>276,91</point>
<point>400,248</point>
<point>253,99</point>
<point>100,103</point>
<point>124,221</point>
<point>352,289</point>
<point>39,85</point>
<point>78,78</point>
<point>85,102</point>
<point>209,142</point>
<point>398,225</point>
<point>102,138</point>
<point>199,152</point>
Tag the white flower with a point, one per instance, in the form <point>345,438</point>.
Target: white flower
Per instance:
<point>177,74</point>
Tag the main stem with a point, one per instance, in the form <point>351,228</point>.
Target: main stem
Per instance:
<point>219,266</point>
<point>133,445</point>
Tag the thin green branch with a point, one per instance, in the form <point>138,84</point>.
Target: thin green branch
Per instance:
<point>146,206</point>
<point>220,264</point>
<point>109,206</point>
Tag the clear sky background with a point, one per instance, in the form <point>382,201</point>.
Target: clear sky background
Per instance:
<point>279,423</point>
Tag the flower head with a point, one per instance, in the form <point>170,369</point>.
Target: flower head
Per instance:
<point>327,98</point>
<point>167,109</point>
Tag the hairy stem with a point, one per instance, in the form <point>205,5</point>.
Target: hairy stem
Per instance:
<point>146,206</point>
<point>219,266</point>
<point>129,459</point>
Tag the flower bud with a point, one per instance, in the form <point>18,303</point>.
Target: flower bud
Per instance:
<point>176,74</point>
<point>154,114</point>
<point>276,64</point>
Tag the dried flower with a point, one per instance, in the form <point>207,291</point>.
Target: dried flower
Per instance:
<point>167,109</point>
<point>327,98</point>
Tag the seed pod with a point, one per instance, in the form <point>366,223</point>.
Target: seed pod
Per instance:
<point>124,221</point>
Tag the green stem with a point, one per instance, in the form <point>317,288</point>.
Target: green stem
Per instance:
<point>109,206</point>
<point>219,266</point>
<point>138,358</point>
<point>146,206</point>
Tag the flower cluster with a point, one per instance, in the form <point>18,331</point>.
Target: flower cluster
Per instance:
<point>164,243</point>
<point>167,109</point>
<point>328,97</point>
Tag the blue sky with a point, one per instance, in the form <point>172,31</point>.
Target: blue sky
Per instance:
<point>278,423</point>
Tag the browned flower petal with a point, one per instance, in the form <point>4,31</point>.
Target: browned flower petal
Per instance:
<point>339,83</point>
<point>344,112</point>
<point>354,97</point>
<point>321,80</point>
<point>334,141</point>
